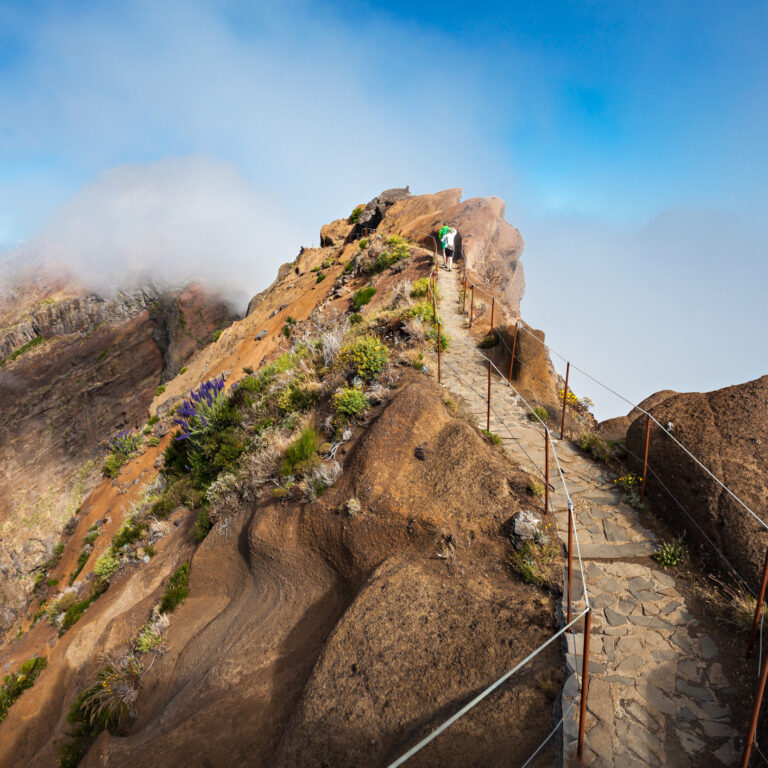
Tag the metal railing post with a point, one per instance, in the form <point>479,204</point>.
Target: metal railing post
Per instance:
<point>488,417</point>
<point>546,470</point>
<point>565,400</point>
<point>758,607</point>
<point>493,307</point>
<point>514,344</point>
<point>584,682</point>
<point>645,457</point>
<point>472,306</point>
<point>464,298</point>
<point>570,558</point>
<point>755,713</point>
<point>439,371</point>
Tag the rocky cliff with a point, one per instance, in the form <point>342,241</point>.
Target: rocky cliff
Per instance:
<point>76,367</point>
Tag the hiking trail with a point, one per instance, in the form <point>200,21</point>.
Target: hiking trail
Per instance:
<point>657,695</point>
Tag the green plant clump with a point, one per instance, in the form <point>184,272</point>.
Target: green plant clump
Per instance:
<point>320,277</point>
<point>106,565</point>
<point>670,553</point>
<point>365,357</point>
<point>492,437</point>
<point>362,297</point>
<point>21,350</point>
<point>600,450</point>
<point>399,250</point>
<point>491,340</point>
<point>539,412</point>
<point>348,404</point>
<point>301,454</point>
<point>217,335</point>
<point>355,215</point>
<point>420,288</point>
<point>364,243</point>
<point>535,562</point>
<point>159,391</point>
<point>15,684</point>
<point>176,590</point>
<point>536,489</point>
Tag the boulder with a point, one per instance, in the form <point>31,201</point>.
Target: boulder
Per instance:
<point>616,429</point>
<point>726,430</point>
<point>525,527</point>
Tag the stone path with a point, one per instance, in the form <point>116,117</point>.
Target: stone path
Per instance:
<point>658,696</point>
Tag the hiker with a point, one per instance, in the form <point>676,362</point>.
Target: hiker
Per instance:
<point>447,237</point>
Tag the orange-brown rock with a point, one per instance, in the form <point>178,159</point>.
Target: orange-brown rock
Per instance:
<point>491,247</point>
<point>616,428</point>
<point>726,429</point>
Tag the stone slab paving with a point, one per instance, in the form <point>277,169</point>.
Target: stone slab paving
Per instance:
<point>658,696</point>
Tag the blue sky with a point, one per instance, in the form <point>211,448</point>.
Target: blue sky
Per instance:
<point>628,140</point>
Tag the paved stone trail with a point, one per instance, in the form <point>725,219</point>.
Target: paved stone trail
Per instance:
<point>658,696</point>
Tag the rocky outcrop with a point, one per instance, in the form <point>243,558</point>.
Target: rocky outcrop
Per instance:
<point>374,212</point>
<point>726,429</point>
<point>490,246</point>
<point>616,428</point>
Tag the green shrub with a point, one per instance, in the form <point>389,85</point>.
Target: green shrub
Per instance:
<point>491,340</point>
<point>629,482</point>
<point>320,277</point>
<point>81,561</point>
<point>74,612</point>
<point>184,369</point>
<point>51,582</point>
<point>298,395</point>
<point>58,549</point>
<point>152,420</point>
<point>399,250</point>
<point>159,391</point>
<point>419,363</point>
<point>492,438</point>
<point>355,215</point>
<point>300,453</point>
<point>15,684</point>
<point>535,489</point>
<point>420,288</point>
<point>149,639</point>
<point>348,404</point>
<point>362,297</point>
<point>365,357</point>
<point>598,448</point>
<point>349,266</point>
<point>430,334</point>
<point>423,310</point>
<point>670,553</point>
<point>131,531</point>
<point>355,318</point>
<point>217,335</point>
<point>202,526</point>
<point>153,442</point>
<point>539,412</point>
<point>364,243</point>
<point>536,562</point>
<point>176,590</point>
<point>83,731</point>
<point>106,565</point>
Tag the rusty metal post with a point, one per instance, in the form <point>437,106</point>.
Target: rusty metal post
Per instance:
<point>570,558</point>
<point>758,607</point>
<point>472,306</point>
<point>493,306</point>
<point>546,470</point>
<point>434,308</point>
<point>488,417</point>
<point>565,400</point>
<point>464,298</point>
<point>514,344</point>
<point>584,682</point>
<point>439,372</point>
<point>645,458</point>
<point>755,713</point>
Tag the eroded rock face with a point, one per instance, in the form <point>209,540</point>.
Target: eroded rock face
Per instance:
<point>726,429</point>
<point>94,372</point>
<point>616,429</point>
